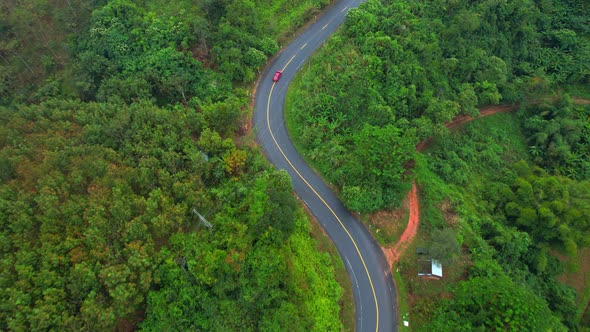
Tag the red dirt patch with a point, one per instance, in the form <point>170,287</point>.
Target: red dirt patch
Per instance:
<point>393,253</point>
<point>578,280</point>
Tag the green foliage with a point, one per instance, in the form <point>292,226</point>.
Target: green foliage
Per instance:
<point>415,66</point>
<point>407,66</point>
<point>34,47</point>
<point>368,150</point>
<point>124,40</point>
<point>443,246</point>
<point>501,206</point>
<point>552,209</point>
<point>558,135</point>
<point>223,116</point>
<point>89,208</point>
<point>97,225</point>
<point>362,199</point>
<point>483,147</point>
<point>494,304</point>
<point>254,282</point>
<point>374,165</point>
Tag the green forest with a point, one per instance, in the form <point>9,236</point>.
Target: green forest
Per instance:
<point>124,136</point>
<point>505,200</point>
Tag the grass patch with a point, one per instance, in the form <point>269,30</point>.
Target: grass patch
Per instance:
<point>387,226</point>
<point>325,244</point>
<point>402,300</point>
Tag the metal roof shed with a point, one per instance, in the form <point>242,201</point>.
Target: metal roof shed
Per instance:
<point>431,268</point>
<point>436,269</point>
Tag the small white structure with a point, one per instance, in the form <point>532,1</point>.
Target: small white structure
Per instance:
<point>436,268</point>
<point>430,267</point>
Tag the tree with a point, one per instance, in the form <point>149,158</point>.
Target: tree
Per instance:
<point>224,116</point>
<point>384,151</point>
<point>556,133</point>
<point>488,93</point>
<point>468,100</point>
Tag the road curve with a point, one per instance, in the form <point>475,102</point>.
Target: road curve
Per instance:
<point>374,292</point>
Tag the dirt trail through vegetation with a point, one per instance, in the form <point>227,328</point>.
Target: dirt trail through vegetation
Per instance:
<point>393,253</point>
<point>462,119</point>
<point>483,112</point>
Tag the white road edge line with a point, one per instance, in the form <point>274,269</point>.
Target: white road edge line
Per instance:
<point>358,292</point>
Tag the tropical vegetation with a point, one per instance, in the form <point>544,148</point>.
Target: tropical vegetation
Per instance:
<point>130,197</point>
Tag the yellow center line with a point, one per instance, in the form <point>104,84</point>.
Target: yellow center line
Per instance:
<point>317,194</point>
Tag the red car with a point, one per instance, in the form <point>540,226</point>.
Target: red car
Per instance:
<point>277,75</point>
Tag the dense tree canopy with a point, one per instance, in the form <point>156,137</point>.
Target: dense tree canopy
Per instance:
<point>394,75</point>
<point>170,51</point>
<point>91,195</point>
<point>121,125</point>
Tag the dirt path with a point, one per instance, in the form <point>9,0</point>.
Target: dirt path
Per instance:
<point>483,112</point>
<point>393,253</point>
<point>581,101</point>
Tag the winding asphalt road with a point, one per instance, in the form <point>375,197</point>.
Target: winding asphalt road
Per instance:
<point>374,292</point>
